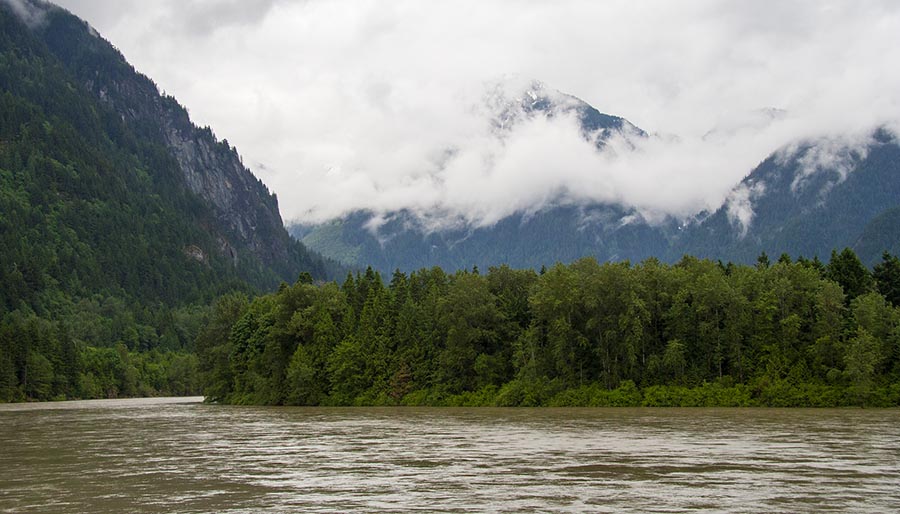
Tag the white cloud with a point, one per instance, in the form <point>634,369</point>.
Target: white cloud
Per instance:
<point>739,205</point>
<point>30,13</point>
<point>835,154</point>
<point>374,104</point>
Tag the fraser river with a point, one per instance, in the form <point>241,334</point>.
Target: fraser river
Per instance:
<point>180,455</point>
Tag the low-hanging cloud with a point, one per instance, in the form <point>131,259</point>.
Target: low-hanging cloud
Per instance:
<point>31,13</point>
<point>381,105</point>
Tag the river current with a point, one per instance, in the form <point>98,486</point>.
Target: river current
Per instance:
<point>180,455</point>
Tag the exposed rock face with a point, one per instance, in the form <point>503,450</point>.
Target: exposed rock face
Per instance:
<point>196,253</point>
<point>214,171</point>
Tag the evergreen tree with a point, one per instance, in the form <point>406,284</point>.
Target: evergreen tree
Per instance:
<point>846,269</point>
<point>887,278</point>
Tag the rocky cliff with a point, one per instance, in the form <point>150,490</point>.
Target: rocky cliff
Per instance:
<point>246,215</point>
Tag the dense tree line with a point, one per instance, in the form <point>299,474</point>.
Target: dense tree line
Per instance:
<point>98,348</point>
<point>694,333</point>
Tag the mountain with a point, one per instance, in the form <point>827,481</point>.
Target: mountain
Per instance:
<point>107,185</point>
<point>513,103</point>
<point>808,199</point>
<point>120,220</point>
<point>879,235</point>
<point>561,231</point>
<point>805,199</point>
<point>559,234</point>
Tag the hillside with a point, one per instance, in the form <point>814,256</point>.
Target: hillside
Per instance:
<point>807,201</point>
<point>559,234</point>
<point>117,214</point>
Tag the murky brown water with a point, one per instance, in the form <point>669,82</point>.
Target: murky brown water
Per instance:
<point>177,455</point>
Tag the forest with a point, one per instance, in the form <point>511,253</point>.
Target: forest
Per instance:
<point>696,333</point>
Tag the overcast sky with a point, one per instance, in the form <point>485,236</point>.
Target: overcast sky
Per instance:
<point>342,104</point>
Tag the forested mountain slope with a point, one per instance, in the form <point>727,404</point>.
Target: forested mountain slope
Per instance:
<point>558,234</point>
<point>116,213</point>
<point>807,201</point>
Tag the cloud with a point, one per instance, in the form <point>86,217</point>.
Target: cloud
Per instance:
<point>836,154</point>
<point>32,13</point>
<point>381,105</point>
<point>188,20</point>
<point>739,205</point>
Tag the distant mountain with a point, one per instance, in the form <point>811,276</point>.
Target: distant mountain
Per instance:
<point>560,231</point>
<point>560,234</point>
<point>879,235</point>
<point>807,200</point>
<point>536,99</point>
<point>107,187</point>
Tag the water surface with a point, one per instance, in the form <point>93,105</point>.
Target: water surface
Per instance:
<point>179,455</point>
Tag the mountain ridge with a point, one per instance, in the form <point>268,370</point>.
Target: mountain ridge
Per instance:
<point>804,200</point>
<point>212,169</point>
<point>99,146</point>
<point>796,182</point>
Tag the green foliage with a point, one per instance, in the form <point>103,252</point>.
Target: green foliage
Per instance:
<point>51,360</point>
<point>692,334</point>
<point>846,269</point>
<point>887,278</point>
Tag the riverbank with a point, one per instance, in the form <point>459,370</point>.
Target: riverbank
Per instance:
<point>548,393</point>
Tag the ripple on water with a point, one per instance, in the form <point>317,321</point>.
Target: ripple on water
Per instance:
<point>170,455</point>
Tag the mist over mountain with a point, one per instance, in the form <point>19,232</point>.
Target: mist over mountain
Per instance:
<point>559,226</point>
<point>526,175</point>
<point>808,199</point>
<point>805,199</point>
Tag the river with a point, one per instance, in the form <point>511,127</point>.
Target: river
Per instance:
<point>179,455</point>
